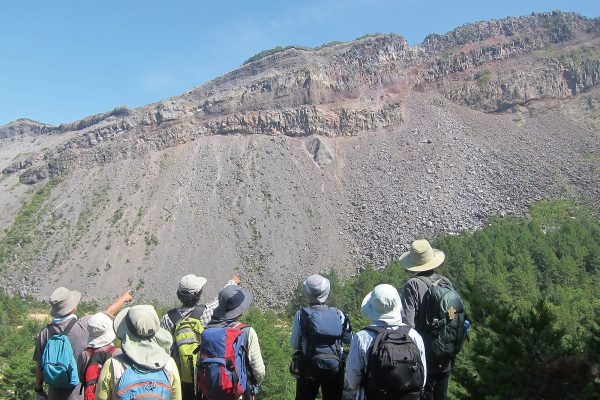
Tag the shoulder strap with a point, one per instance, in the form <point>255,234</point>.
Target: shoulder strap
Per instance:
<point>427,280</point>
<point>174,316</point>
<point>197,311</point>
<point>68,328</point>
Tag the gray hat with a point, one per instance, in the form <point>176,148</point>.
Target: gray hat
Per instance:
<point>137,327</point>
<point>233,301</point>
<point>317,288</point>
<point>63,301</point>
<point>191,283</point>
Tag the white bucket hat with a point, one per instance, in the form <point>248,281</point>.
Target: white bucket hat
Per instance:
<point>100,330</point>
<point>383,304</point>
<point>421,257</point>
<point>191,283</point>
<point>63,301</point>
<point>317,288</point>
<point>137,328</point>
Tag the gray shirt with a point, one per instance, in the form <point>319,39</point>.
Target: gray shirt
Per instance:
<point>78,337</point>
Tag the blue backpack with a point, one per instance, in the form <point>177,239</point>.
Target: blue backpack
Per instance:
<point>59,366</point>
<point>137,383</point>
<point>221,370</point>
<point>323,330</point>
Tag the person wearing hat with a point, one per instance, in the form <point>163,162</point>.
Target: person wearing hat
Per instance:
<point>233,302</point>
<point>316,289</point>
<point>423,259</point>
<point>100,348</point>
<point>383,308</point>
<point>189,292</point>
<point>64,305</point>
<point>144,344</point>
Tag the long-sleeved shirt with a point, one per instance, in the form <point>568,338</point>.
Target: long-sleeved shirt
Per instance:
<point>299,344</point>
<point>362,342</point>
<point>113,370</point>
<point>413,309</point>
<point>167,324</point>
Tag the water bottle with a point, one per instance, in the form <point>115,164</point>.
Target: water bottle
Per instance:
<point>467,326</point>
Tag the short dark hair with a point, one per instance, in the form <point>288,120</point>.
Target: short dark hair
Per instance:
<point>189,299</point>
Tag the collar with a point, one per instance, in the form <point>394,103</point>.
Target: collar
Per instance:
<point>58,321</point>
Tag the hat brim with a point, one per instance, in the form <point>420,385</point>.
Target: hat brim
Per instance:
<point>146,352</point>
<point>436,261</point>
<point>392,316</point>
<point>68,306</point>
<point>221,313</point>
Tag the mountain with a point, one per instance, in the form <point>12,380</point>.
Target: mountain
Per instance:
<point>304,160</point>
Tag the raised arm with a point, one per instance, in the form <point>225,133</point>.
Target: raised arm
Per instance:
<point>115,307</point>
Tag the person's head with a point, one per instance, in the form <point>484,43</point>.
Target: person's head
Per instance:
<point>100,330</point>
<point>316,288</point>
<point>189,290</point>
<point>421,257</point>
<point>138,328</point>
<point>233,301</point>
<point>383,304</point>
<point>63,302</point>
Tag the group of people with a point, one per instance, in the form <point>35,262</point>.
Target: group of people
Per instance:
<point>202,351</point>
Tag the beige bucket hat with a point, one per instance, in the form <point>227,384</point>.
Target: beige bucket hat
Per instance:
<point>421,257</point>
<point>63,301</point>
<point>137,327</point>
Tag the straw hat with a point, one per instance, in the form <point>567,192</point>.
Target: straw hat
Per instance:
<point>421,257</point>
<point>63,301</point>
<point>137,328</point>
<point>317,288</point>
<point>383,304</point>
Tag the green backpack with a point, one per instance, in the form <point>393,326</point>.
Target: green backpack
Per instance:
<point>187,337</point>
<point>444,328</point>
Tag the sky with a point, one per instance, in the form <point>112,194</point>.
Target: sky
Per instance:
<point>63,60</point>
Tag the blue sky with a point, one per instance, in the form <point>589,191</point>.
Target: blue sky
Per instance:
<point>64,60</point>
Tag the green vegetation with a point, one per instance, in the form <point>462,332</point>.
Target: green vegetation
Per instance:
<point>532,294</point>
<point>274,50</point>
<point>117,215</point>
<point>24,228</point>
<point>483,77</point>
<point>559,27</point>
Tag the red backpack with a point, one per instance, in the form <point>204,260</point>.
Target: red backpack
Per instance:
<point>91,372</point>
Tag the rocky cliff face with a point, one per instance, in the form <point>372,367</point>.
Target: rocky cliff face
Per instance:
<point>305,160</point>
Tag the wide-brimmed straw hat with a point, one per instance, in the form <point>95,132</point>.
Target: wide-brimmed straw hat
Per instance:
<point>317,288</point>
<point>383,304</point>
<point>63,301</point>
<point>100,330</point>
<point>137,328</point>
<point>233,301</point>
<point>421,257</point>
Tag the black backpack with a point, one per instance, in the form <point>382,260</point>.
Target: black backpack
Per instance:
<point>394,366</point>
<point>323,330</point>
<point>444,323</point>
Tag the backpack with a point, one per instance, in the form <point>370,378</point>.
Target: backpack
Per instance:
<point>394,366</point>
<point>444,322</point>
<point>222,373</point>
<point>138,383</point>
<point>59,366</point>
<point>323,331</point>
<point>187,334</point>
<point>91,371</point>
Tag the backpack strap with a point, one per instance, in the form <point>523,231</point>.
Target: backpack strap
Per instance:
<point>174,316</point>
<point>427,280</point>
<point>197,311</point>
<point>55,330</point>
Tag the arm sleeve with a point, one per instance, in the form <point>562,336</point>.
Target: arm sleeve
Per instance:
<point>419,342</point>
<point>175,380</point>
<point>255,360</point>
<point>296,339</point>
<point>210,307</point>
<point>105,381</point>
<point>410,303</point>
<point>166,323</point>
<point>354,365</point>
